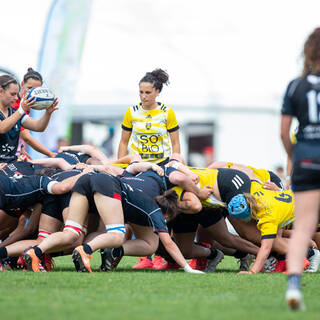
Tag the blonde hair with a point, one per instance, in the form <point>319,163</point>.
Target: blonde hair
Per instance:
<point>254,205</point>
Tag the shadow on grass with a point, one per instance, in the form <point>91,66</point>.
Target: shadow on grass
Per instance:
<point>71,269</point>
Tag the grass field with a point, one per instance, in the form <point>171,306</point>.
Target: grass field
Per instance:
<point>128,294</point>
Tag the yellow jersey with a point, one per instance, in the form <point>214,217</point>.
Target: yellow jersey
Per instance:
<point>277,212</point>
<point>150,131</point>
<point>261,174</point>
<point>206,177</point>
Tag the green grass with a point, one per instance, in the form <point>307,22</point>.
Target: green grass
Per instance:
<point>129,294</point>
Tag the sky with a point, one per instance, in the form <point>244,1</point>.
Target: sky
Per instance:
<point>227,53</point>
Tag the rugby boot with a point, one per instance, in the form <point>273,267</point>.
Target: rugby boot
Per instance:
<point>81,260</point>
<point>144,263</point>
<point>33,262</point>
<point>157,262</point>
<point>108,261</point>
<point>212,263</point>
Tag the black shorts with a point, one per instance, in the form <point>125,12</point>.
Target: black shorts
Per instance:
<point>135,216</point>
<point>142,210</point>
<point>306,166</point>
<point>188,223</point>
<point>53,205</point>
<point>306,175</point>
<point>105,184</point>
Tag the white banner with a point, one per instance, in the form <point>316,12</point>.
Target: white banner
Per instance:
<point>59,63</point>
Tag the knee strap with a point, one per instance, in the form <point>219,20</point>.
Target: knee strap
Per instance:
<point>119,228</point>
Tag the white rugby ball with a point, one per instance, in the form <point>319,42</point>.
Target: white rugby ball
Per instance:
<point>44,97</point>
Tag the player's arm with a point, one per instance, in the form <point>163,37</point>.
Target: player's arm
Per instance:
<point>286,121</point>
<point>128,159</point>
<point>9,122</point>
<point>175,252</point>
<point>41,124</point>
<point>175,141</point>
<point>65,185</point>
<point>217,165</point>
<point>53,163</point>
<point>35,144</point>
<point>263,253</point>
<point>109,168</point>
<point>24,230</point>
<point>186,183</point>
<point>92,151</point>
<point>189,203</point>
<point>184,169</point>
<point>138,167</point>
<point>123,145</point>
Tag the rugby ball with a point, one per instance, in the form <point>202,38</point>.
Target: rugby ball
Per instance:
<point>44,97</point>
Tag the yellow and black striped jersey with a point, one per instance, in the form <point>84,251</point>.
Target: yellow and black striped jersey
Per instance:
<point>277,212</point>
<point>150,131</point>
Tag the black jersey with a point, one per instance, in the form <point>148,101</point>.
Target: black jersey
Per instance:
<point>302,100</point>
<point>18,168</point>
<point>73,157</point>
<point>149,181</point>
<point>65,174</point>
<point>9,140</point>
<point>24,191</point>
<point>232,182</point>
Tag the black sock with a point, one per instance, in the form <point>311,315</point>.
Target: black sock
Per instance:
<point>149,257</point>
<point>239,254</point>
<point>38,252</point>
<point>272,254</point>
<point>87,249</point>
<point>310,253</point>
<point>280,257</point>
<point>213,254</point>
<point>3,253</point>
<point>117,252</point>
<point>294,281</point>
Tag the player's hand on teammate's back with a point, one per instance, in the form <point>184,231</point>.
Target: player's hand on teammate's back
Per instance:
<point>268,185</point>
<point>195,178</point>
<point>157,169</point>
<point>205,192</point>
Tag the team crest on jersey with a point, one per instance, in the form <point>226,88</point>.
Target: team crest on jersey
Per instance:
<point>148,125</point>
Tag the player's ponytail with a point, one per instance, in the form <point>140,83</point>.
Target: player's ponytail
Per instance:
<point>168,202</point>
<point>157,78</point>
<point>32,74</point>
<point>311,53</point>
<point>254,206</point>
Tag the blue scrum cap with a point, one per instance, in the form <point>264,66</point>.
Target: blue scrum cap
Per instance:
<point>238,208</point>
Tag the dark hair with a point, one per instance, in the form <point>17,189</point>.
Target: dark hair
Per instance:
<point>157,78</point>
<point>168,204</point>
<point>47,172</point>
<point>311,53</point>
<point>31,74</point>
<point>6,80</point>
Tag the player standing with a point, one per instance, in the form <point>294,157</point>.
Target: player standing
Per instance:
<point>302,100</point>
